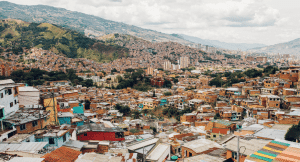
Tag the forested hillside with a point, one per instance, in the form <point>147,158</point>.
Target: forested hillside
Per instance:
<point>16,35</point>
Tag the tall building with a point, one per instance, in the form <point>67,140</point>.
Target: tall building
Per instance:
<point>184,62</point>
<point>150,71</point>
<point>167,65</point>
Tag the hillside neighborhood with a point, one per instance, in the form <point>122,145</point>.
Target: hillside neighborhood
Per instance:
<point>75,87</point>
<point>183,116</point>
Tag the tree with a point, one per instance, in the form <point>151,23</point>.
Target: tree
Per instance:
<point>114,70</point>
<point>8,36</point>
<point>167,84</point>
<point>293,134</point>
<point>87,104</point>
<point>167,93</point>
<point>154,130</point>
<point>134,131</point>
<point>217,116</point>
<point>175,80</point>
<point>136,114</point>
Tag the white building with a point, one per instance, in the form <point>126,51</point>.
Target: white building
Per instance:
<point>167,65</point>
<point>8,97</point>
<point>184,62</point>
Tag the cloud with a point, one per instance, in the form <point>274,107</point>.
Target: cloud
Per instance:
<point>230,20</point>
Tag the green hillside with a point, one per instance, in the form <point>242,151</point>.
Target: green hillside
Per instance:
<point>16,34</point>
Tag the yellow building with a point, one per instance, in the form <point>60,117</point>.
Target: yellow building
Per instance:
<point>148,103</point>
<point>50,104</point>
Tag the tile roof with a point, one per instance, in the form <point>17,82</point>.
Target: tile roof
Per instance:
<point>62,154</point>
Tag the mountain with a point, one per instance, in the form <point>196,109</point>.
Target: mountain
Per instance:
<point>16,35</point>
<point>79,21</point>
<point>216,43</point>
<point>291,47</point>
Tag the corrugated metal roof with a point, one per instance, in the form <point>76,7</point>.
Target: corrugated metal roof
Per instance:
<point>31,147</point>
<point>26,159</point>
<point>271,133</point>
<point>252,145</point>
<point>143,143</point>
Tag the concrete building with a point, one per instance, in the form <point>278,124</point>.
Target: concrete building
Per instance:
<point>29,96</point>
<point>184,62</point>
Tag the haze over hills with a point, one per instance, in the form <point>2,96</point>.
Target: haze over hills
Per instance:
<point>291,47</point>
<point>97,26</point>
<point>79,21</point>
<point>219,44</point>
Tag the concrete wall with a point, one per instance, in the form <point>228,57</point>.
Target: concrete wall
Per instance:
<point>29,97</point>
<point>58,140</point>
<point>7,99</point>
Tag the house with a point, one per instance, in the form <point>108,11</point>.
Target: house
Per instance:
<point>251,145</point>
<point>148,103</point>
<point>270,134</point>
<point>55,136</point>
<point>65,117</point>
<point>277,150</point>
<point>28,120</point>
<point>62,154</point>
<point>204,157</point>
<point>23,148</point>
<point>29,96</point>
<point>143,147</point>
<point>17,138</point>
<point>93,131</point>
<point>197,147</point>
<point>188,118</point>
<point>218,133</point>
<point>220,124</point>
<point>93,157</point>
<point>160,153</point>
<point>49,102</point>
<point>8,97</point>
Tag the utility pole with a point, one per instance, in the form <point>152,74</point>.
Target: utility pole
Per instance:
<point>144,154</point>
<point>54,106</point>
<point>238,149</point>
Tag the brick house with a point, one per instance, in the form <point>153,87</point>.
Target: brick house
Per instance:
<point>197,147</point>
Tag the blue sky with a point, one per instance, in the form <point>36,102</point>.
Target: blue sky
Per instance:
<point>234,21</point>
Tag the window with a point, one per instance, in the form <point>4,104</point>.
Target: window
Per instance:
<point>214,136</point>
<point>51,141</point>
<point>85,134</point>
<point>15,101</point>
<point>11,104</point>
<point>34,123</point>
<point>276,104</point>
<point>119,135</point>
<point>1,113</point>
<point>9,91</point>
<point>234,155</point>
<point>1,95</point>
<point>22,127</point>
<point>64,138</point>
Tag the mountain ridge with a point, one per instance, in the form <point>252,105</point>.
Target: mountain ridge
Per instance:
<point>290,47</point>
<point>219,44</point>
<point>79,21</point>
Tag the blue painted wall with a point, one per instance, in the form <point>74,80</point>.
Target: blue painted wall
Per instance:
<point>78,123</point>
<point>58,141</point>
<point>64,120</point>
<point>79,109</point>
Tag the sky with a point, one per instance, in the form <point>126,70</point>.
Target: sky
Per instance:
<point>234,21</point>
